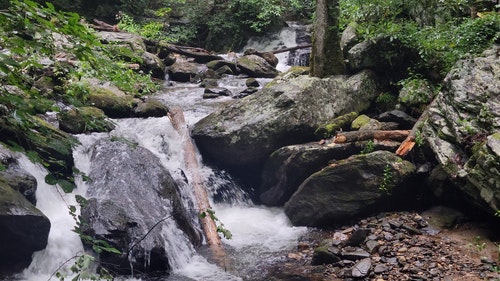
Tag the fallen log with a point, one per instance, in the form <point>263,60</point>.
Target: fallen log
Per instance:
<point>199,55</point>
<point>396,135</point>
<point>292,48</point>
<point>102,26</point>
<point>176,116</point>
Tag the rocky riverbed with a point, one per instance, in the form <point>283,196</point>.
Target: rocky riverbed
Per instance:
<point>396,246</point>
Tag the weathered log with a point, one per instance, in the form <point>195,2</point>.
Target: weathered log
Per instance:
<point>199,55</point>
<point>176,116</point>
<point>408,144</point>
<point>396,135</point>
<point>102,26</point>
<point>292,48</point>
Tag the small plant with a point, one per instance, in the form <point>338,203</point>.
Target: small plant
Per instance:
<point>387,181</point>
<point>369,147</point>
<point>220,226</point>
<point>478,244</point>
<point>84,265</point>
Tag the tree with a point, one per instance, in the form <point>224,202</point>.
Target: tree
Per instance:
<point>326,56</point>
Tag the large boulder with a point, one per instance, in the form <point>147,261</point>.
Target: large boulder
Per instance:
<point>463,128</point>
<point>256,66</point>
<point>347,189</point>
<point>85,119</point>
<point>131,47</point>
<point>20,180</point>
<point>24,230</point>
<point>289,166</point>
<point>184,71</point>
<point>241,136</point>
<point>54,146</point>
<point>134,205</point>
<point>384,54</point>
<point>114,102</point>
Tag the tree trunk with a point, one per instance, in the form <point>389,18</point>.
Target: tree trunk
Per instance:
<point>326,57</point>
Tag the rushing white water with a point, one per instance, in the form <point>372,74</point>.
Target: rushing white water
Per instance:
<point>259,233</point>
<point>284,39</point>
<point>63,244</point>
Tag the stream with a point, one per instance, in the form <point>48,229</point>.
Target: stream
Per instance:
<point>259,234</point>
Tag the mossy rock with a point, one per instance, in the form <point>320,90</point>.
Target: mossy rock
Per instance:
<point>84,120</point>
<point>52,146</point>
<point>360,121</point>
<point>329,129</point>
<point>114,102</point>
<point>151,108</point>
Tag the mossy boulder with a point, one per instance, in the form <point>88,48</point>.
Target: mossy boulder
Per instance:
<point>330,128</point>
<point>84,120</point>
<point>53,146</point>
<point>114,102</point>
<point>256,66</point>
<point>348,189</point>
<point>360,121</point>
<point>150,108</point>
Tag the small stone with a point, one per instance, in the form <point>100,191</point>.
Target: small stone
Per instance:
<point>355,254</point>
<point>302,246</point>
<point>294,256</point>
<point>395,224</point>
<point>402,250</point>
<point>357,237</point>
<point>379,268</point>
<point>361,268</point>
<point>401,260</point>
<point>372,246</point>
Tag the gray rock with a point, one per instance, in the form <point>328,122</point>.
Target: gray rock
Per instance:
<point>183,71</point>
<point>463,123</point>
<point>20,180</point>
<point>378,54</point>
<point>354,254</point>
<point>150,108</point>
<point>361,268</point>
<point>256,66</point>
<point>241,136</point>
<point>151,63</point>
<point>289,166</point>
<point>124,203</point>
<point>214,92</point>
<point>24,229</point>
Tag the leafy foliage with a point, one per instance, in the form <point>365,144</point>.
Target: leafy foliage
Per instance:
<point>441,31</point>
<point>39,45</point>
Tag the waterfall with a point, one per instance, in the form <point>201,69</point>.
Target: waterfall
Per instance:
<point>290,36</point>
<point>259,233</point>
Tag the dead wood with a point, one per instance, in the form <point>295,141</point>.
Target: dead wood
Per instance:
<point>176,116</point>
<point>292,48</point>
<point>396,135</point>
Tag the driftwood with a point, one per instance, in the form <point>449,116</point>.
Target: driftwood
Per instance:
<point>396,135</point>
<point>209,227</point>
<point>200,55</point>
<point>292,48</point>
<point>102,26</point>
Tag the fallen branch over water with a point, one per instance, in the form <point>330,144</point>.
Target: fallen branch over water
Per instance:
<point>176,116</point>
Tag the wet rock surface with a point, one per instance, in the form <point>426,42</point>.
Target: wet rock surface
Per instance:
<point>393,246</point>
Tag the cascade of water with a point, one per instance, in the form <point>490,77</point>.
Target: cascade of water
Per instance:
<point>63,243</point>
<point>258,232</point>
